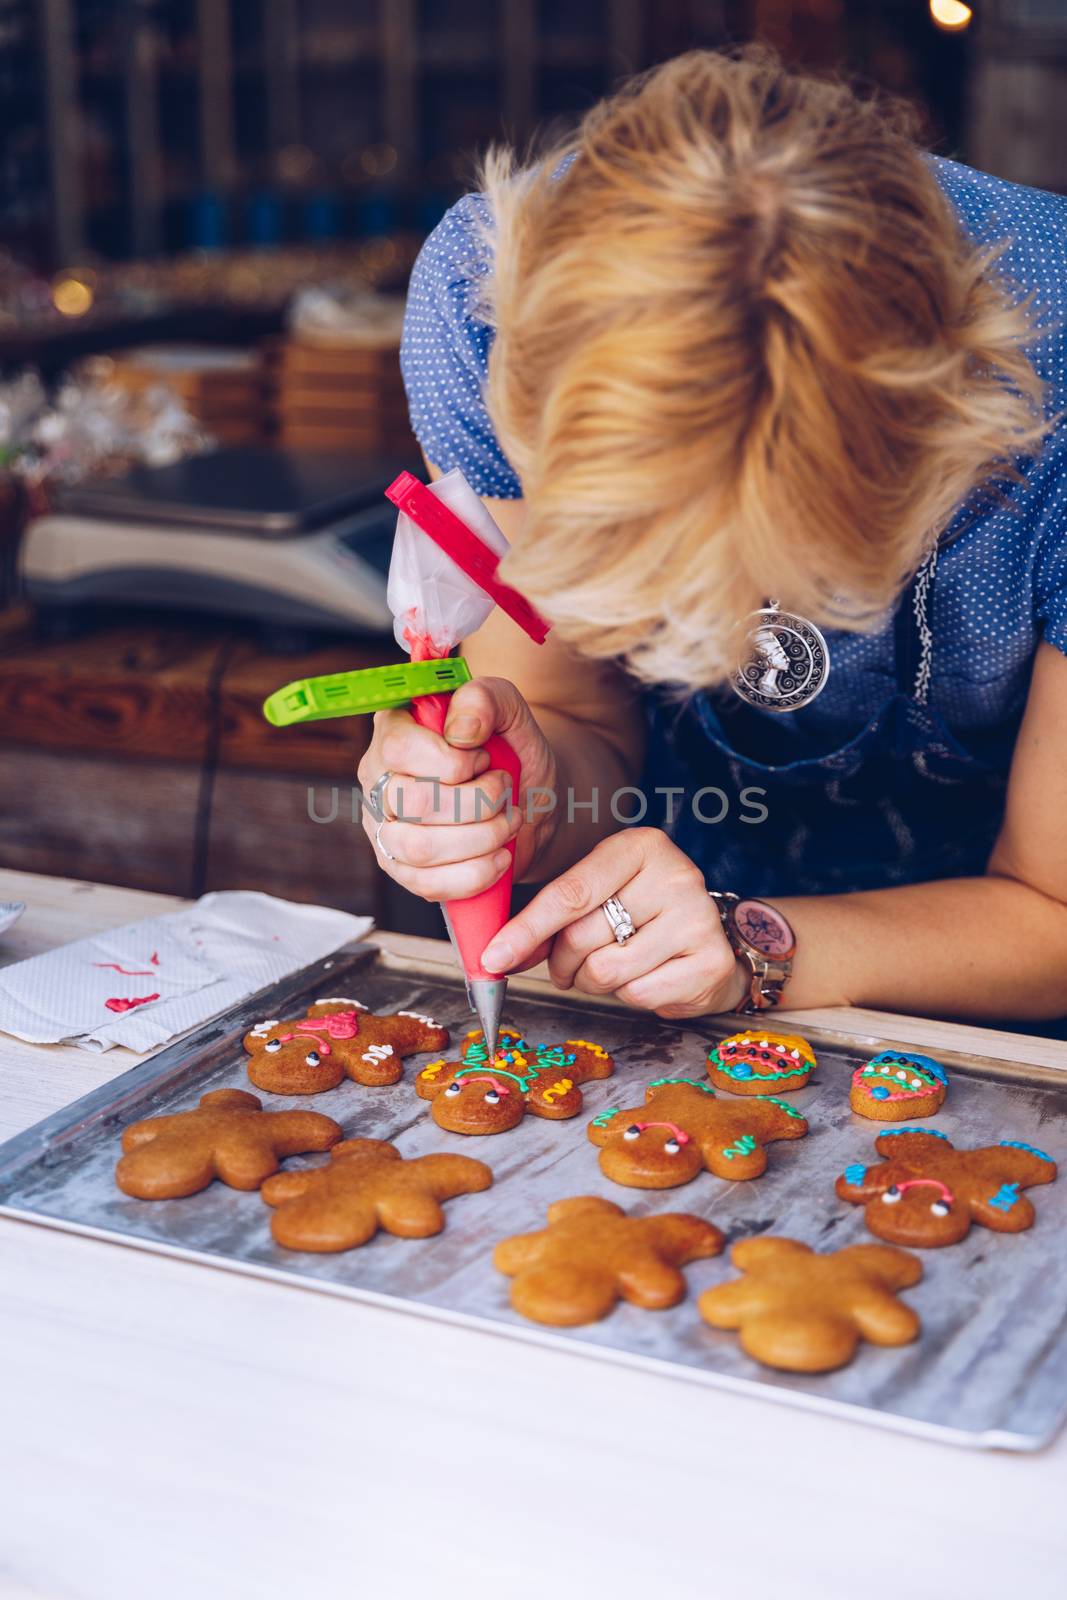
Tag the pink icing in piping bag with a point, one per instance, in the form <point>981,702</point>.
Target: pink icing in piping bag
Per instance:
<point>431,623</point>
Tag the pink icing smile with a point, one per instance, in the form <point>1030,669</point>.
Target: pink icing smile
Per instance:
<point>341,1025</point>
<point>484,1077</point>
<point>679,1133</point>
<point>320,1044</point>
<point>925,1183</point>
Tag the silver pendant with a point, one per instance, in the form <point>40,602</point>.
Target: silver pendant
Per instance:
<point>786,661</point>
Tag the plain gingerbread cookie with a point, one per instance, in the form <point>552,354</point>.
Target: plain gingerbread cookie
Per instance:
<point>684,1128</point>
<point>592,1255</point>
<point>927,1193</point>
<point>337,1038</point>
<point>229,1136</point>
<point>477,1096</point>
<point>367,1185</point>
<point>803,1312</point>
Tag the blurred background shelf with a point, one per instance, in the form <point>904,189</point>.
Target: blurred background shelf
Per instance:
<point>139,126</point>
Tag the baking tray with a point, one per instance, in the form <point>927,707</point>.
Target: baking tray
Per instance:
<point>990,1369</point>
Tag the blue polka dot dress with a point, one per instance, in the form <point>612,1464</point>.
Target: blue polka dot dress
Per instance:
<point>873,783</point>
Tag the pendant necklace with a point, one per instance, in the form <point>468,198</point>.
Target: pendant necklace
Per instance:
<point>786,660</point>
<point>785,663</point>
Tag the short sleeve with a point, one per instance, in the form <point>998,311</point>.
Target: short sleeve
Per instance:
<point>1050,563</point>
<point>444,353</point>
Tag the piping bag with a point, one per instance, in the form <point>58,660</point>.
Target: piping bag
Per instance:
<point>442,586</point>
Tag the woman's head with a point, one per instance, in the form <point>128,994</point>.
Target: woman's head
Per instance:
<point>743,349</point>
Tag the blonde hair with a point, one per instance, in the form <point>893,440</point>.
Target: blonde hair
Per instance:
<point>742,350</point>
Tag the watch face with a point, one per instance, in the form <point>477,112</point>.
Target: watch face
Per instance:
<point>765,929</point>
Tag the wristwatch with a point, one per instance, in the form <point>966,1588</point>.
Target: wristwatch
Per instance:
<point>763,941</point>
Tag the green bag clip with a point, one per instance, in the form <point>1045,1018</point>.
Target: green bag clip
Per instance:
<point>354,694</point>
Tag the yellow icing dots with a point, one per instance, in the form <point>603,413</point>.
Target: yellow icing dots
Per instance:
<point>595,1049</point>
<point>557,1090</point>
<point>516,1058</point>
<point>432,1068</point>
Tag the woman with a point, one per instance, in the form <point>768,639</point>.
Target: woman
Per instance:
<point>755,388</point>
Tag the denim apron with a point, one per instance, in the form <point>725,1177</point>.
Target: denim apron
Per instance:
<point>902,801</point>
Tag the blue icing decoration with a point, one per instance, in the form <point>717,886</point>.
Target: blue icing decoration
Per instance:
<point>742,1070</point>
<point>1005,1196</point>
<point>892,1058</point>
<point>855,1173</point>
<point>879,1094</point>
<point>1017,1144</point>
<point>933,1133</point>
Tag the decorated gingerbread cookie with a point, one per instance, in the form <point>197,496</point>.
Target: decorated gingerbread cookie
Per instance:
<point>337,1038</point>
<point>476,1095</point>
<point>367,1185</point>
<point>228,1136</point>
<point>683,1128</point>
<point>592,1255</point>
<point>927,1193</point>
<point>898,1085</point>
<point>758,1062</point>
<point>804,1312</point>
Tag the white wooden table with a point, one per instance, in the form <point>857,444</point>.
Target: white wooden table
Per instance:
<point>170,1429</point>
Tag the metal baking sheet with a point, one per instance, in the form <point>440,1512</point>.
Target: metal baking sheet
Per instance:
<point>989,1370</point>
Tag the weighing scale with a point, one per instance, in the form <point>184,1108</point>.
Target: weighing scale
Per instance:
<point>295,540</point>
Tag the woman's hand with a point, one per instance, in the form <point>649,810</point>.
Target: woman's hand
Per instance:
<point>449,841</point>
<point>677,964</point>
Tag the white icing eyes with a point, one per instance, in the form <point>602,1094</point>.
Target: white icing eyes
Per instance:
<point>273,1045</point>
<point>632,1133</point>
<point>491,1097</point>
<point>672,1147</point>
<point>453,1089</point>
<point>312,1059</point>
<point>891,1196</point>
<point>939,1208</point>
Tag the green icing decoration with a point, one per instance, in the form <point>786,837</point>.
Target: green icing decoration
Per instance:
<point>744,1147</point>
<point>705,1088</point>
<point>605,1116</point>
<point>730,1069</point>
<point>790,1111</point>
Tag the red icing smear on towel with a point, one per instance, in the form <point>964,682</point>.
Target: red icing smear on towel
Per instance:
<point>128,1005</point>
<point>127,972</point>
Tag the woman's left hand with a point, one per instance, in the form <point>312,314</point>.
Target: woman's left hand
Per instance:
<point>678,963</point>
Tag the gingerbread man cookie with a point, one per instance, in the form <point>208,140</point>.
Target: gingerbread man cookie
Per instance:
<point>592,1255</point>
<point>336,1038</point>
<point>897,1085</point>
<point>229,1136</point>
<point>684,1128</point>
<point>758,1062</point>
<point>476,1095</point>
<point>927,1193</point>
<point>804,1312</point>
<point>367,1185</point>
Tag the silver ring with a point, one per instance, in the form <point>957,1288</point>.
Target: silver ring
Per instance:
<point>376,798</point>
<point>383,849</point>
<point>619,919</point>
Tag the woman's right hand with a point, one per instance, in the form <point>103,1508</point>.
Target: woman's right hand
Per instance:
<point>448,844</point>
